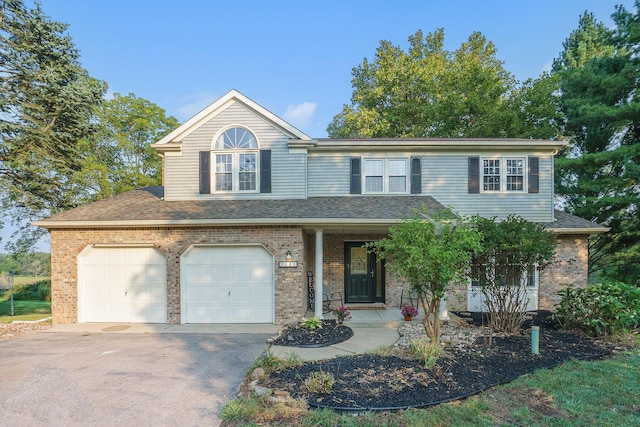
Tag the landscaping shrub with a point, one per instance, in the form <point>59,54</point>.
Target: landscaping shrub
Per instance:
<point>319,382</point>
<point>602,309</point>
<point>311,322</point>
<point>37,291</point>
<point>427,350</point>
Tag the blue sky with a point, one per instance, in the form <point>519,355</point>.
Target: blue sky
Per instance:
<point>292,57</point>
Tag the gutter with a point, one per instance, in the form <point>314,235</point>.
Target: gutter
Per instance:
<point>215,222</point>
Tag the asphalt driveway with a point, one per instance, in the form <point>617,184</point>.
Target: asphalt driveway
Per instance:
<point>75,379</point>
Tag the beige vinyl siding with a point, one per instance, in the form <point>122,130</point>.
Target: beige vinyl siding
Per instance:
<point>445,177</point>
<point>328,174</point>
<point>287,170</point>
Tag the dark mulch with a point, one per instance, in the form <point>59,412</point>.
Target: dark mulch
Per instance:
<point>300,336</point>
<point>377,382</point>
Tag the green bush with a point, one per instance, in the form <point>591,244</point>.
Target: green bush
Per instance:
<point>37,291</point>
<point>311,322</point>
<point>603,309</point>
<point>427,350</point>
<point>319,382</point>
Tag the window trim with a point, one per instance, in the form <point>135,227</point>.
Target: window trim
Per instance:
<point>503,174</point>
<point>385,175</point>
<point>235,163</point>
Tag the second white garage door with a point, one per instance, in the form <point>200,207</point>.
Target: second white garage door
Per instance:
<point>227,284</point>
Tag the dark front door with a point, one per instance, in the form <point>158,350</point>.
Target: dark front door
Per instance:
<point>363,276</point>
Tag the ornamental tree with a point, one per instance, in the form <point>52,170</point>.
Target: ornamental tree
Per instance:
<point>511,249</point>
<point>431,252</point>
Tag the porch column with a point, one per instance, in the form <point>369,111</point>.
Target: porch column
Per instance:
<point>444,310</point>
<point>319,257</point>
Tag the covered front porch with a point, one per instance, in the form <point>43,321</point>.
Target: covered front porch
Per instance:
<point>341,269</point>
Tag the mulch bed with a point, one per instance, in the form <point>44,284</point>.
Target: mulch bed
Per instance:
<point>300,336</point>
<point>376,382</point>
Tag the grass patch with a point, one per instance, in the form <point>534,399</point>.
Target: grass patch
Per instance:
<point>24,310</point>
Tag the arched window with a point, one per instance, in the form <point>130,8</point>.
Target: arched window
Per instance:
<point>236,156</point>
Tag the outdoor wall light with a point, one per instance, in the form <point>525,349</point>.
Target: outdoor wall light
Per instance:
<point>288,261</point>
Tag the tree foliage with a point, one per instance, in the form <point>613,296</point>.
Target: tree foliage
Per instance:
<point>511,249</point>
<point>597,177</point>
<point>46,102</point>
<point>431,251</point>
<point>33,264</point>
<point>119,157</point>
<point>428,91</point>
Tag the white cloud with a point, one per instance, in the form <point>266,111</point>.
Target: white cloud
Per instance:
<point>301,114</point>
<point>546,68</point>
<point>193,104</point>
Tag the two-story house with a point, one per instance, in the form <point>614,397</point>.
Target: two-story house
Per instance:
<point>251,208</point>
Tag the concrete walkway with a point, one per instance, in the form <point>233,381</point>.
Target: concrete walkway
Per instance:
<point>372,329</point>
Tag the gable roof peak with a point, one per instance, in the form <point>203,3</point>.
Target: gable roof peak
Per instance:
<point>218,105</point>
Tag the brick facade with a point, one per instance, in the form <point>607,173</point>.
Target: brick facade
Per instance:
<point>66,244</point>
<point>569,266</point>
<point>291,297</point>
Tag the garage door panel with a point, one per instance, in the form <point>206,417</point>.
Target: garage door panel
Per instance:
<point>260,294</point>
<point>239,286</point>
<point>122,285</point>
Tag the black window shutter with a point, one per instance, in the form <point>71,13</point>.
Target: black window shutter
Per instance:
<point>416,175</point>
<point>474,175</point>
<point>205,172</point>
<point>534,175</point>
<point>265,171</point>
<point>356,182</point>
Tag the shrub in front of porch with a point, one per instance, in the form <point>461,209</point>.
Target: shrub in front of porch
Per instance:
<point>430,251</point>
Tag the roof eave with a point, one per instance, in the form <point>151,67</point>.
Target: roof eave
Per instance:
<point>578,230</point>
<point>215,222</point>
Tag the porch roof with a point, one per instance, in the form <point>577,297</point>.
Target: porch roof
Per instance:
<point>145,207</point>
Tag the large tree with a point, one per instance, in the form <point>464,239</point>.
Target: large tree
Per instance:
<point>46,102</point>
<point>428,91</point>
<point>598,176</point>
<point>119,157</point>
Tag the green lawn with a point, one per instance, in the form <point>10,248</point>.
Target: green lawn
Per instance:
<point>24,310</point>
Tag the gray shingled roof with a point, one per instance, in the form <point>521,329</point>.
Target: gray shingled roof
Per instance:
<point>566,221</point>
<point>145,206</point>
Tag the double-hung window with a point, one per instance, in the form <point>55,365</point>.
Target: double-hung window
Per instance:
<point>236,157</point>
<point>503,174</point>
<point>385,175</point>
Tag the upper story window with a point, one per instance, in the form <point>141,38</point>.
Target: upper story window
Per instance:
<point>235,161</point>
<point>503,174</point>
<point>385,175</point>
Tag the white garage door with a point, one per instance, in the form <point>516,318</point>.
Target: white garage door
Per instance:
<point>122,285</point>
<point>227,284</point>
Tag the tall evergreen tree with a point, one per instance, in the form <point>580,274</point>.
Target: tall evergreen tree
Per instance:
<point>46,103</point>
<point>598,177</point>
